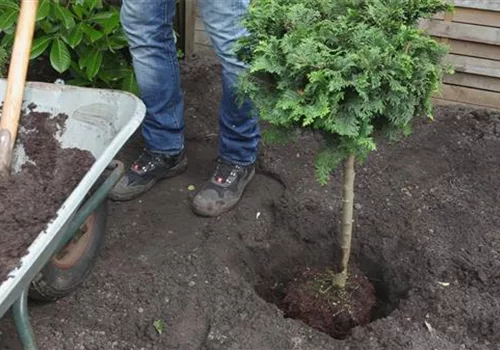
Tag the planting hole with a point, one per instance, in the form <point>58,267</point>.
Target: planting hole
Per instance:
<point>295,281</point>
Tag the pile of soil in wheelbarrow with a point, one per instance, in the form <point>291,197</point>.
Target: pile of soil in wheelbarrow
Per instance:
<point>31,197</point>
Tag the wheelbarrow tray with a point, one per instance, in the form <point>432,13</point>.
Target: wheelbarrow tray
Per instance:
<point>99,121</point>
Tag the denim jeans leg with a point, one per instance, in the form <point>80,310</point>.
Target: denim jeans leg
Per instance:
<point>239,128</point>
<point>148,25</point>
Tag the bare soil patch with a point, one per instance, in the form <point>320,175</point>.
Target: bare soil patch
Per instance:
<point>426,236</point>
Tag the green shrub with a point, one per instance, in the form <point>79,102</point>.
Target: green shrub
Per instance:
<point>350,69</point>
<point>83,37</point>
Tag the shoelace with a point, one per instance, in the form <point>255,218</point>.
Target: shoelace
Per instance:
<point>223,171</point>
<point>144,159</point>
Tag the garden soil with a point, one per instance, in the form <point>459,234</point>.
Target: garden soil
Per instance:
<point>32,196</point>
<point>426,235</point>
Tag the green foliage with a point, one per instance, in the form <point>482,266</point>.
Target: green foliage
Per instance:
<point>3,61</point>
<point>83,37</point>
<point>350,69</point>
<point>278,135</point>
<point>159,326</point>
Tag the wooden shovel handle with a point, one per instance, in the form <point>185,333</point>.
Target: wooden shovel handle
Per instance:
<point>18,68</point>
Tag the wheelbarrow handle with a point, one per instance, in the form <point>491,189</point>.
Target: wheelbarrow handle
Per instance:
<point>18,71</point>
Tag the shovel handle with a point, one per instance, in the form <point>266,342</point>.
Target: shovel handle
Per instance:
<point>18,68</point>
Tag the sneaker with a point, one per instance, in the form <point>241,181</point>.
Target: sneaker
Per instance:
<point>145,172</point>
<point>223,190</point>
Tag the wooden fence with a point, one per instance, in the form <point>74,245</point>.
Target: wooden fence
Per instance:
<point>472,31</point>
<point>197,40</point>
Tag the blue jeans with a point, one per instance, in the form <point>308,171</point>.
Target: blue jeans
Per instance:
<point>148,25</point>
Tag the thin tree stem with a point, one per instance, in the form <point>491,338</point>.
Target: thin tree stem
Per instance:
<point>340,279</point>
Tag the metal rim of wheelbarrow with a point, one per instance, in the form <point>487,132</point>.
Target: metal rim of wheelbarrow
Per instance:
<point>72,252</point>
<point>86,211</point>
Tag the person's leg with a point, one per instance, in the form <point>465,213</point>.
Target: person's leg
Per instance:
<point>239,129</point>
<point>148,25</point>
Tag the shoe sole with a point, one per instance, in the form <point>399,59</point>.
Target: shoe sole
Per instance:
<point>229,208</point>
<point>140,190</point>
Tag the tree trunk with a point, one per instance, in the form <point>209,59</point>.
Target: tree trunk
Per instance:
<point>340,279</point>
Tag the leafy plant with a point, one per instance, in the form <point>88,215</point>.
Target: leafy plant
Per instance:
<point>349,69</point>
<point>83,37</point>
<point>3,61</point>
<point>159,326</point>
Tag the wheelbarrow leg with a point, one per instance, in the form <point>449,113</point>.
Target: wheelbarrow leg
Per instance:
<point>22,322</point>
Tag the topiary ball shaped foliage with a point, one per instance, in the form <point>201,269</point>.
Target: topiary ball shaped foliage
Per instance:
<point>349,68</point>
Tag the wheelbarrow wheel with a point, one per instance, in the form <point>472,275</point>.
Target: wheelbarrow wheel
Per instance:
<point>68,268</point>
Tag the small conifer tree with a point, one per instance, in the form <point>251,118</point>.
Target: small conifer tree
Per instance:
<point>350,69</point>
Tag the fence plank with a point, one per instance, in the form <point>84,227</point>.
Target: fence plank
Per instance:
<point>473,16</point>
<point>189,42</point>
<point>467,48</point>
<point>492,5</point>
<point>462,31</point>
<point>469,96</point>
<point>473,65</point>
<point>473,81</point>
<point>444,102</point>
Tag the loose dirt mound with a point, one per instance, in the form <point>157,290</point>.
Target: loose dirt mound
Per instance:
<point>31,198</point>
<point>426,236</point>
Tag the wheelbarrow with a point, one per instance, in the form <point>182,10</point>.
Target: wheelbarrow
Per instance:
<point>58,260</point>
